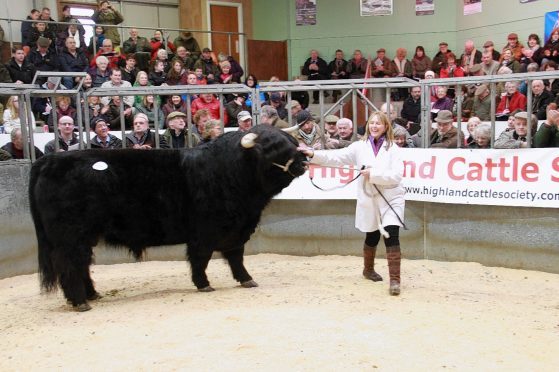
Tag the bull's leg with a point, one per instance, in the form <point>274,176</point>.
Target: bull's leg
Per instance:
<point>90,292</point>
<point>199,259</point>
<point>235,259</point>
<point>74,268</point>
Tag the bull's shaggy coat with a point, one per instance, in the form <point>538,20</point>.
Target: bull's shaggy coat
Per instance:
<point>210,197</point>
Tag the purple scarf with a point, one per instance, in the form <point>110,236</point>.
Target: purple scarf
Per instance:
<point>376,145</point>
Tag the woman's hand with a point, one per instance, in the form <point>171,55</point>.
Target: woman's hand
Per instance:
<point>309,152</point>
<point>365,172</point>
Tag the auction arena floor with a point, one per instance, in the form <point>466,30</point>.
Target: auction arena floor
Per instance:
<point>309,314</point>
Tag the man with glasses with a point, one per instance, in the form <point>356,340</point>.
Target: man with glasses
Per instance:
<point>67,139</point>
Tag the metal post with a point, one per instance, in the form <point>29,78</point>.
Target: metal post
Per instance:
<point>492,97</point>
<point>354,106</point>
<point>529,99</point>
<point>289,116</point>
<point>229,44</point>
<point>80,122</point>
<point>221,113</point>
<point>55,123</point>
<point>425,114</point>
<point>321,102</point>
<point>458,115</point>
<point>156,122</point>
<point>26,129</point>
<point>388,102</point>
<point>122,123</point>
<point>86,120</point>
<point>189,121</point>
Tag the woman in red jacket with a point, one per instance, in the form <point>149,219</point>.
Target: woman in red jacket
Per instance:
<point>209,102</point>
<point>511,100</point>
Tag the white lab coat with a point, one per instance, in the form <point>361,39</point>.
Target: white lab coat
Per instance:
<point>386,172</point>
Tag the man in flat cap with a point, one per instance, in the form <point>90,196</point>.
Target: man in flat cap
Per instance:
<point>176,135</point>
<point>382,66</point>
<point>517,138</point>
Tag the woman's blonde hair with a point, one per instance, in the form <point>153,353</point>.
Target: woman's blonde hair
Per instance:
<point>14,110</point>
<point>388,134</point>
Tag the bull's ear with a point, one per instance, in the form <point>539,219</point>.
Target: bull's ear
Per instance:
<point>248,140</point>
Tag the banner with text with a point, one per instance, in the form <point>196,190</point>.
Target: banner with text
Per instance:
<point>517,177</point>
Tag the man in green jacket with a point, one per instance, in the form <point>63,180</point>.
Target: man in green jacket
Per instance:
<point>548,133</point>
<point>107,15</point>
<point>176,134</point>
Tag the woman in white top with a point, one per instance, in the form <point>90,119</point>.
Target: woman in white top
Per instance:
<point>12,115</point>
<point>380,194</point>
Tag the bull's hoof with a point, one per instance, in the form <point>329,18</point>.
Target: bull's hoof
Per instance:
<point>206,289</point>
<point>95,296</point>
<point>249,284</point>
<point>82,307</point>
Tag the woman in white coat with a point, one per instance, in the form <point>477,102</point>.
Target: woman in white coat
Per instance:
<point>383,171</point>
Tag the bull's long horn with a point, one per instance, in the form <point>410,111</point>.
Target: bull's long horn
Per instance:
<point>248,140</point>
<point>291,129</point>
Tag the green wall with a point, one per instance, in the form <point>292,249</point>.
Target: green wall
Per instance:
<point>339,25</point>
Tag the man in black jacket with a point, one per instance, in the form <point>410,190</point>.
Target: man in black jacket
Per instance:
<point>72,60</point>
<point>411,110</point>
<point>540,99</point>
<point>316,69</point>
<point>21,70</point>
<point>44,58</point>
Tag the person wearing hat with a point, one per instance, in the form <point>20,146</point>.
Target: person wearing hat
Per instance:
<point>269,115</point>
<point>548,133</point>
<point>440,58</point>
<point>380,193</point>
<point>517,138</point>
<point>188,42</point>
<point>482,103</point>
<point>446,135</point>
<point>141,137</point>
<point>209,67</point>
<point>276,102</point>
<point>382,66</point>
<point>294,107</point>
<point>103,139</point>
<point>244,118</point>
<point>309,133</point>
<point>330,126</point>
<point>176,135</point>
<point>315,68</point>
<point>514,45</point>
<point>489,46</point>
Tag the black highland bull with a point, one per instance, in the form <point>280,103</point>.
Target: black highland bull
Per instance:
<point>210,198</point>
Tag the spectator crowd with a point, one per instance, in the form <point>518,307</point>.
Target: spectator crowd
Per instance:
<point>141,62</point>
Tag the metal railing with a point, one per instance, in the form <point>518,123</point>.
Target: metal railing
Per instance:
<point>492,80</point>
<point>351,89</point>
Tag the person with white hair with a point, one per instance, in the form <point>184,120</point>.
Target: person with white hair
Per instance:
<point>343,136</point>
<point>540,99</point>
<point>482,136</point>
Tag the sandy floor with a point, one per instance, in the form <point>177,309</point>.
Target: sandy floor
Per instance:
<point>308,314</point>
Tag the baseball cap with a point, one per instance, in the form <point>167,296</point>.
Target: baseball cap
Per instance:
<point>243,115</point>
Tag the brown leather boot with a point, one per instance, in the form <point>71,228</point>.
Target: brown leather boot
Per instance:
<point>369,260</point>
<point>394,256</point>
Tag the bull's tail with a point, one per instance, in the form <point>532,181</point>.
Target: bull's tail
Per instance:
<point>47,273</point>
